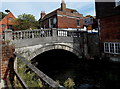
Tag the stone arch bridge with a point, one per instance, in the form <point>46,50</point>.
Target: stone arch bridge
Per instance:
<point>31,43</point>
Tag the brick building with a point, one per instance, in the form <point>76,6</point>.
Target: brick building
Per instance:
<point>91,23</point>
<point>108,14</point>
<point>61,18</point>
<point>7,22</point>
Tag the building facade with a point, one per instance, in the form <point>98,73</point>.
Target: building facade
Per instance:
<point>91,23</point>
<point>108,14</point>
<point>62,18</point>
<point>7,22</point>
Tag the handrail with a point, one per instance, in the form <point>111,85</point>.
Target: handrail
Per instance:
<point>21,81</point>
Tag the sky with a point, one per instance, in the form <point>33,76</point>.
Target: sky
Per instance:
<point>35,7</point>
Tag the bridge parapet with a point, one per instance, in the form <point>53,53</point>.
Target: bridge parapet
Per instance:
<point>39,38</point>
<point>38,33</point>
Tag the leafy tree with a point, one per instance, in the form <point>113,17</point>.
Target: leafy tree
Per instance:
<point>2,15</point>
<point>26,21</point>
<point>88,15</point>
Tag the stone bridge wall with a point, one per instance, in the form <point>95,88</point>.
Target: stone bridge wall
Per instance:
<point>32,51</point>
<point>27,42</point>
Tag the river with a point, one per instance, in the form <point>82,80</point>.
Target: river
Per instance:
<point>86,74</point>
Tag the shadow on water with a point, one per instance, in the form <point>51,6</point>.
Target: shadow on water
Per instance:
<point>87,74</point>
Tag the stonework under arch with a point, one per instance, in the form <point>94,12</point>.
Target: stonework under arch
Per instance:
<point>55,46</point>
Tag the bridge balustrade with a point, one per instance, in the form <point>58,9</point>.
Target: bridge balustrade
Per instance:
<point>38,33</point>
<point>28,34</point>
<point>66,33</point>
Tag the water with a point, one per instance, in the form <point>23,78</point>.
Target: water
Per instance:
<point>91,74</point>
<point>87,74</point>
<point>97,74</point>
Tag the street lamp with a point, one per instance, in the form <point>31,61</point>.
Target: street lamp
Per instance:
<point>7,16</point>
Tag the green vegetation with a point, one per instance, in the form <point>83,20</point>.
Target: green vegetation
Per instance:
<point>88,16</point>
<point>69,83</point>
<point>29,77</point>
<point>33,81</point>
<point>26,21</point>
<point>2,15</point>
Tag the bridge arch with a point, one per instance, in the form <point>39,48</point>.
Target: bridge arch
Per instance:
<point>56,46</point>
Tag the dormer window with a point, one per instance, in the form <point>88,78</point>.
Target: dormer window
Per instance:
<point>75,12</point>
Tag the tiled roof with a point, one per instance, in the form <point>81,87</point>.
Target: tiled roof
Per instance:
<point>59,9</point>
<point>5,21</point>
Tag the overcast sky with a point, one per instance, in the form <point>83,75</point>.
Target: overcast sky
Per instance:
<point>35,7</point>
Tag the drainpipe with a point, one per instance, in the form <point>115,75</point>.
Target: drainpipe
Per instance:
<point>85,50</point>
<point>99,35</point>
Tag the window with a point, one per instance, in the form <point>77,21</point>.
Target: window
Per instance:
<point>10,19</point>
<point>78,22</point>
<point>112,47</point>
<point>75,12</point>
<point>52,22</point>
<point>2,25</point>
<point>106,47</point>
<point>117,47</point>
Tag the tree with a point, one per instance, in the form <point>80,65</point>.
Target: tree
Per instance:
<point>2,15</point>
<point>26,21</point>
<point>88,16</point>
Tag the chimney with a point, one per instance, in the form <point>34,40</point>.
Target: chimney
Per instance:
<point>63,5</point>
<point>43,14</point>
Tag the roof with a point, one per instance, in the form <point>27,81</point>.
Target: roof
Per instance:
<point>5,21</point>
<point>59,9</point>
<point>4,16</point>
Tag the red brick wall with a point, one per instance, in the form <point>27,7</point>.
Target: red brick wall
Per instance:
<point>66,22</point>
<point>7,56</point>
<point>110,29</point>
